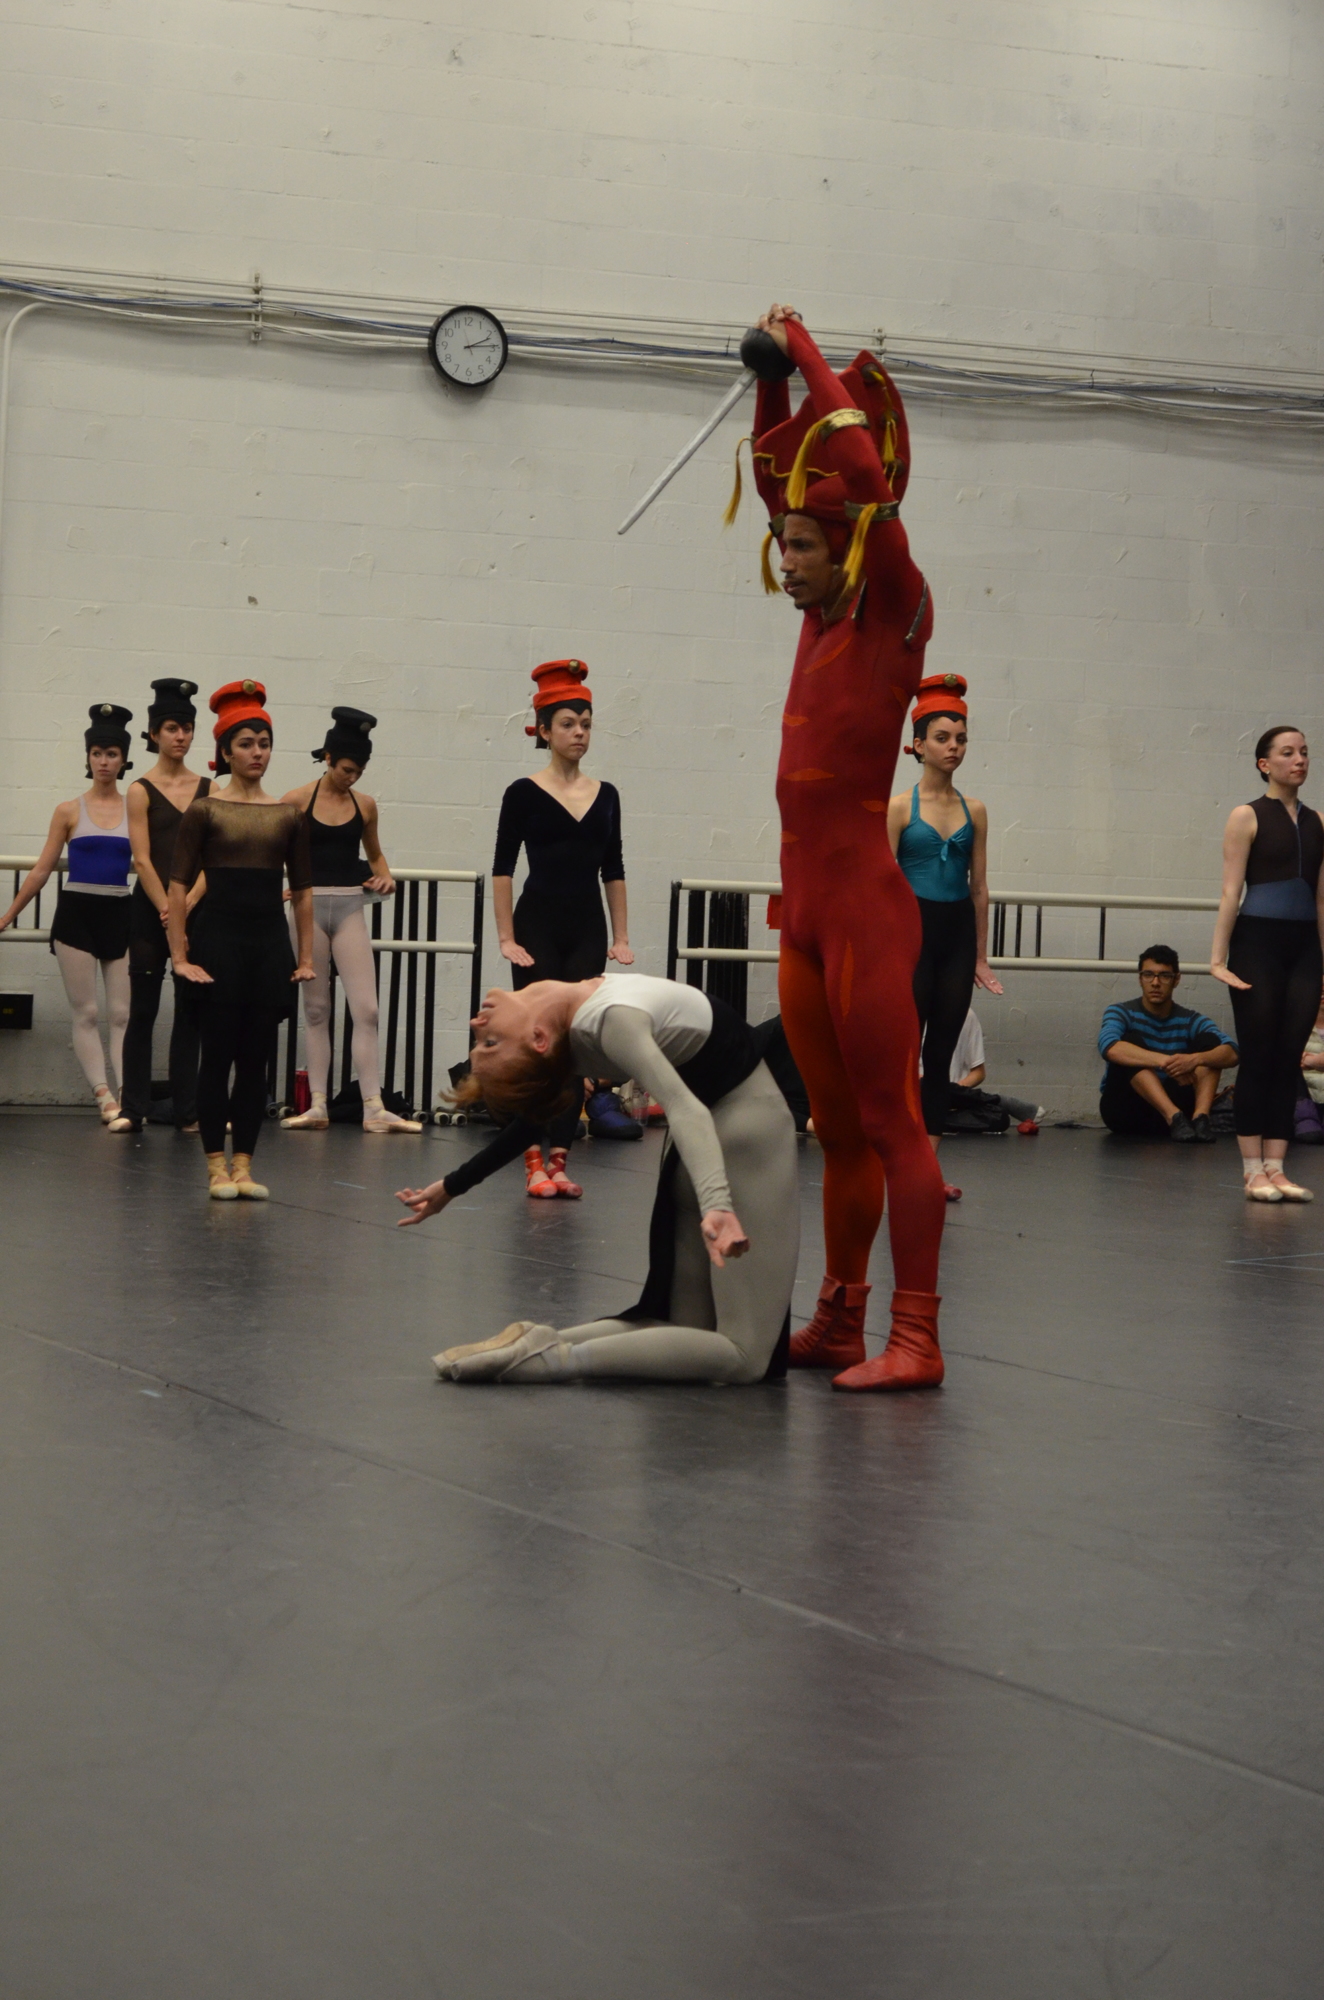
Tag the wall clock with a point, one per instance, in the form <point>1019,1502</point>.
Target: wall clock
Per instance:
<point>468,346</point>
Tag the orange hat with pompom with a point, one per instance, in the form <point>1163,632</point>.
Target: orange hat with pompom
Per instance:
<point>555,683</point>
<point>236,702</point>
<point>940,694</point>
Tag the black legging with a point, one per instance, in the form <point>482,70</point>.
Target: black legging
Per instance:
<point>568,940</point>
<point>1282,961</point>
<point>237,1038</point>
<point>944,981</point>
<point>144,1004</point>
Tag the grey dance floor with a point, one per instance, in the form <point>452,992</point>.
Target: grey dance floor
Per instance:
<point>322,1681</point>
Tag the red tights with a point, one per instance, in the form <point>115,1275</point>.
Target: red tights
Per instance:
<point>855,1038</point>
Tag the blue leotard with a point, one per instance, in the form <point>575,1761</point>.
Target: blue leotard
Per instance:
<point>937,870</point>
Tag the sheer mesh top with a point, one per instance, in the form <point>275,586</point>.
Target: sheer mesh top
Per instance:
<point>230,833</point>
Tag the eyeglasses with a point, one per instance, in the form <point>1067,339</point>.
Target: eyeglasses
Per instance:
<point>1162,978</point>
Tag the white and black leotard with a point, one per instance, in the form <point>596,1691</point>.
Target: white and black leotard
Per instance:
<point>730,1145</point>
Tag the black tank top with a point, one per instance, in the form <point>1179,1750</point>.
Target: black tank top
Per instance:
<point>729,1055</point>
<point>162,826</point>
<point>1282,869</point>
<point>337,862</point>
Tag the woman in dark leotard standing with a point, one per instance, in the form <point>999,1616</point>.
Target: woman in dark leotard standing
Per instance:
<point>570,828</point>
<point>940,839</point>
<point>1269,952</point>
<point>236,958</point>
<point>157,804</point>
<point>342,828</point>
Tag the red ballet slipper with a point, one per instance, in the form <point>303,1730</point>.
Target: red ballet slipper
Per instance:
<point>952,1193</point>
<point>1028,1128</point>
<point>834,1337</point>
<point>537,1180</point>
<point>912,1358</point>
<point>560,1179</point>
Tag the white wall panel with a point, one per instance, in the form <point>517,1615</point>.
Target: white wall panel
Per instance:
<point>1131,600</point>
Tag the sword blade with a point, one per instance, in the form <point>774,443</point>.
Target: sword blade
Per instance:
<point>724,408</point>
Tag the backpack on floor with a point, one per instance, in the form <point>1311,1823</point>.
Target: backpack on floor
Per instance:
<point>973,1110</point>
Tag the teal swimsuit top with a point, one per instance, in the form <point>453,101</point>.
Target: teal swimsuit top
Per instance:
<point>937,870</point>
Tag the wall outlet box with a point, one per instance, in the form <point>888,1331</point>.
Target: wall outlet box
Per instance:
<point>15,1010</point>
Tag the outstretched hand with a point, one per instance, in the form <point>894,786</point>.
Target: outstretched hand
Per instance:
<point>1230,978</point>
<point>723,1236</point>
<point>424,1202</point>
<point>515,952</point>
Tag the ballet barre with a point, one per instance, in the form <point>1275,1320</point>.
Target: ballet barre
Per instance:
<point>717,953</point>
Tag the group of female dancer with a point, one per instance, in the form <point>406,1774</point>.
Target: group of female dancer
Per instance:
<point>211,863</point>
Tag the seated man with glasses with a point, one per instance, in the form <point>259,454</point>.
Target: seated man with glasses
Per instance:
<point>1163,1060</point>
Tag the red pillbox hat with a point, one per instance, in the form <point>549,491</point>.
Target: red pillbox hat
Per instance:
<point>940,694</point>
<point>556,682</point>
<point>236,702</point>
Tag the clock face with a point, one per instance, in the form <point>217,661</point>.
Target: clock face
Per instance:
<point>468,346</point>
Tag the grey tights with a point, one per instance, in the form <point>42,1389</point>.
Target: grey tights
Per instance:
<point>726,1322</point>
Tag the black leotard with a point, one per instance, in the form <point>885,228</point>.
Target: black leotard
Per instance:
<point>558,918</point>
<point>1275,947</point>
<point>566,855</point>
<point>335,850</point>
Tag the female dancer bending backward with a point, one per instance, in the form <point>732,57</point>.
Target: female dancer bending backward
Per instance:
<point>940,839</point>
<point>237,955</point>
<point>570,828</point>
<point>339,823</point>
<point>91,923</point>
<point>1269,953</point>
<point>157,804</point>
<point>717,1297</point>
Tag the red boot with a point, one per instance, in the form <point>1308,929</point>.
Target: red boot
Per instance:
<point>834,1337</point>
<point>912,1358</point>
<point>560,1179</point>
<point>537,1180</point>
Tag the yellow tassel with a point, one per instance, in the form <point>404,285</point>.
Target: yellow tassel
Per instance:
<point>798,482</point>
<point>889,441</point>
<point>770,583</point>
<point>835,420</point>
<point>733,504</point>
<point>852,569</point>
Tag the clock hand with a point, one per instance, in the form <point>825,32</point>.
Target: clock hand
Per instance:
<point>470,345</point>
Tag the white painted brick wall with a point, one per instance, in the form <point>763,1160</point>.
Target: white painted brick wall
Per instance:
<point>1131,601</point>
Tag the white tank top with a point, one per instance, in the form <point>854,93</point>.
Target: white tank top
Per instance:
<point>682,1019</point>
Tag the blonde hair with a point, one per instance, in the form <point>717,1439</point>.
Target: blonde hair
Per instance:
<point>535,1085</point>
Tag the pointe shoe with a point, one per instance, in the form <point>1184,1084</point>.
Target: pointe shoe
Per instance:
<point>106,1104</point>
<point>123,1124</point>
<point>314,1119</point>
<point>912,1358</point>
<point>537,1180</point>
<point>485,1360</point>
<point>1289,1190</point>
<point>241,1175</point>
<point>834,1337</point>
<point>950,1193</point>
<point>560,1179</point>
<point>1260,1188</point>
<point>219,1185</point>
<point>376,1118</point>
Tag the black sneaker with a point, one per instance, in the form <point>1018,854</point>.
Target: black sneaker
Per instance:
<point>1202,1129</point>
<point>1182,1130</point>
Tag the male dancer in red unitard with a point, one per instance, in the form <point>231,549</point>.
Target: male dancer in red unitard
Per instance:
<point>833,477</point>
